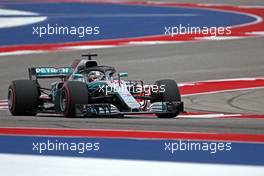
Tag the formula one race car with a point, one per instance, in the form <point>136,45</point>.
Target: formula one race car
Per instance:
<point>88,90</point>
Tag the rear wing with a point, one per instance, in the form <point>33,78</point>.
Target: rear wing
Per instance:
<point>49,72</point>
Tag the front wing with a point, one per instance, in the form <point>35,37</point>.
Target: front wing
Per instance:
<point>108,110</point>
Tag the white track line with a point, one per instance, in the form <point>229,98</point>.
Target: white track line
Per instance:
<point>22,52</point>
<point>221,91</point>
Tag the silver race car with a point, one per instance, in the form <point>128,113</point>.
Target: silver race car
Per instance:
<point>87,89</point>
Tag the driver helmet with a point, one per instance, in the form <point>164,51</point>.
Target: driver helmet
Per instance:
<point>93,76</point>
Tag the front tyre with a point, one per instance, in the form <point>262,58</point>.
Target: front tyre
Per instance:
<point>171,93</point>
<point>72,93</point>
<point>23,97</point>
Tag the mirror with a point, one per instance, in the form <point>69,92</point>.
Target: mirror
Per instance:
<point>122,74</point>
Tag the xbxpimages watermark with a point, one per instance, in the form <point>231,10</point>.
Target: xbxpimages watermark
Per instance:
<point>196,30</point>
<point>52,30</point>
<point>182,146</point>
<point>122,88</point>
<point>62,146</point>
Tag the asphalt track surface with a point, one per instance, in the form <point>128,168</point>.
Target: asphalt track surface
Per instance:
<point>182,62</point>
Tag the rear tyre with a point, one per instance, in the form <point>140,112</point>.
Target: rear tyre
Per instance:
<point>171,93</point>
<point>23,97</point>
<point>72,93</point>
